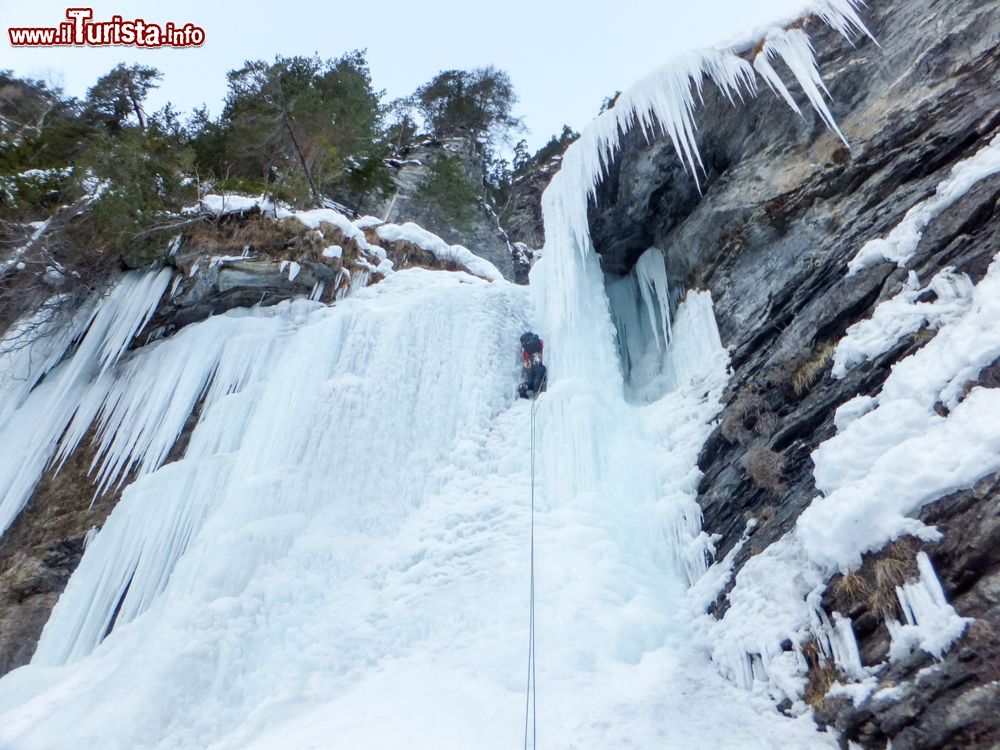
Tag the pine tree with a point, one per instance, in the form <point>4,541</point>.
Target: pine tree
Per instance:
<point>120,95</point>
<point>476,104</point>
<point>309,125</point>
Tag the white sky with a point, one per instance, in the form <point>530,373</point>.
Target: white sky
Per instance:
<point>563,57</point>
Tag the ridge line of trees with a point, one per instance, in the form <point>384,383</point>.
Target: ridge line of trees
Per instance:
<point>105,178</point>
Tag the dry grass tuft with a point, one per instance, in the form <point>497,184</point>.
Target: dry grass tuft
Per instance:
<point>807,373</point>
<point>852,586</point>
<point>888,573</point>
<point>766,468</point>
<point>875,582</point>
<point>746,415</point>
<point>822,674</point>
<point>767,424</point>
<point>819,681</point>
<point>811,652</point>
<point>256,232</point>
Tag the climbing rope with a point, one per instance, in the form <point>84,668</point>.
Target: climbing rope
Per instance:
<point>529,693</point>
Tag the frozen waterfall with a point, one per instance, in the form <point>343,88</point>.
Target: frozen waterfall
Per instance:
<point>340,557</point>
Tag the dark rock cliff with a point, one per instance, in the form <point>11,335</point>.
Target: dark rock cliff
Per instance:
<point>784,205</point>
<point>522,216</point>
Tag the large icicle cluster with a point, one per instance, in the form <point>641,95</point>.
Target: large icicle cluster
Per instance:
<point>36,419</point>
<point>931,623</point>
<point>133,430</point>
<point>31,347</point>
<point>664,102</point>
<point>250,365</point>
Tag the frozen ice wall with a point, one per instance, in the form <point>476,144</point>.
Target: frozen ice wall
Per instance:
<point>343,549</point>
<point>340,558</point>
<point>258,558</point>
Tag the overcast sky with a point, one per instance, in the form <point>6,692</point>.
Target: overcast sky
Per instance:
<point>564,57</point>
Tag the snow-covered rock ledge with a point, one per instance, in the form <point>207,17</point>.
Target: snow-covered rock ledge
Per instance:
<point>385,246</point>
<point>241,251</point>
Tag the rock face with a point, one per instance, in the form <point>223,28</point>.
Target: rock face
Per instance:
<point>522,218</point>
<point>482,234</point>
<point>241,260</point>
<point>784,205</point>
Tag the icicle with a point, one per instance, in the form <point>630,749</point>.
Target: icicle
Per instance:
<point>175,287</point>
<point>931,623</point>
<point>48,410</point>
<point>31,347</point>
<point>839,643</point>
<point>651,274</point>
<point>843,16</point>
<point>793,46</point>
<point>132,304</point>
<point>664,101</point>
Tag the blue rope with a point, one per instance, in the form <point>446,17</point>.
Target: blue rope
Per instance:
<point>530,690</point>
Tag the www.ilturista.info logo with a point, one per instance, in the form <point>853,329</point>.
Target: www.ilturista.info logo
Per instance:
<point>81,31</point>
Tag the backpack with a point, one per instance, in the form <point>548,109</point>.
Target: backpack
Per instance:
<point>531,343</point>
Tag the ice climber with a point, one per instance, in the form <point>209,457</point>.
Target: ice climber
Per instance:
<point>534,370</point>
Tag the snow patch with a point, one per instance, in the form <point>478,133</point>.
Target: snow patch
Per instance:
<point>410,232</point>
<point>901,243</point>
<point>886,461</point>
<point>902,315</point>
<point>314,218</point>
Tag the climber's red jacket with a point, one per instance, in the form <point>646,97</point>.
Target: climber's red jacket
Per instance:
<point>532,359</point>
